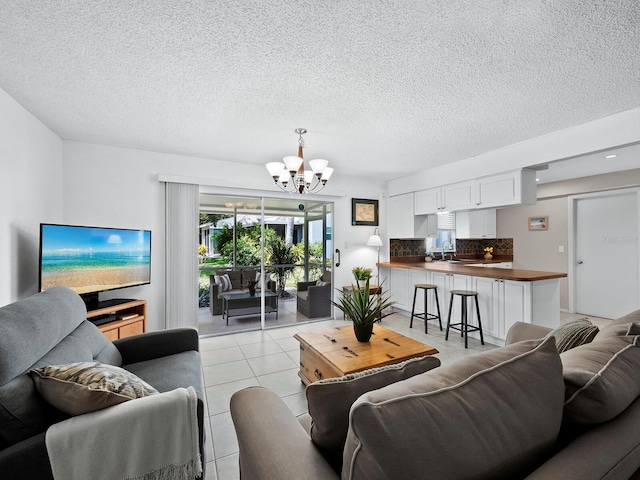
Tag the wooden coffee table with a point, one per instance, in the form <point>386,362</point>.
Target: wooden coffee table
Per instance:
<point>335,352</point>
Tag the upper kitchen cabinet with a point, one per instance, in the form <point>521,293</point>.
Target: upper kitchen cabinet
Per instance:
<point>511,188</point>
<point>458,196</point>
<point>476,224</point>
<point>428,201</point>
<point>400,216</point>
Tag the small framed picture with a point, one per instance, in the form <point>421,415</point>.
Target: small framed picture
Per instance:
<point>364,212</point>
<point>538,223</point>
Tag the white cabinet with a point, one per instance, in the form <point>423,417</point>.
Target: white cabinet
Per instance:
<point>488,300</point>
<point>399,288</point>
<point>476,224</point>
<point>425,226</point>
<point>458,196</point>
<point>512,188</point>
<point>517,187</point>
<point>502,303</point>
<point>428,201</point>
<point>445,283</point>
<point>400,218</point>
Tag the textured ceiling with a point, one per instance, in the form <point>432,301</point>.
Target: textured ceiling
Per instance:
<point>386,87</point>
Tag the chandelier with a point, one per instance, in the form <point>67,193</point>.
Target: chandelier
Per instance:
<point>291,176</point>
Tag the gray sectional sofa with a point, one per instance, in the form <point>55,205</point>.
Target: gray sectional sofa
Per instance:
<point>519,411</point>
<point>50,328</point>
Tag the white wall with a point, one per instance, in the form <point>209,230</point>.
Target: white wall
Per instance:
<point>30,193</point>
<point>538,250</point>
<point>117,187</point>
<point>619,129</point>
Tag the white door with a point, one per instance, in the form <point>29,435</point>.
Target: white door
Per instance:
<point>606,255</point>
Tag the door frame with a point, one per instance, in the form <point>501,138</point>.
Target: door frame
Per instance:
<point>572,226</point>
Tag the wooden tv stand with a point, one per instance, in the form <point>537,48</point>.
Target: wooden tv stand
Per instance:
<point>134,319</point>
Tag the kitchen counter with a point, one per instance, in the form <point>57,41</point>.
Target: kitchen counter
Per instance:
<point>466,268</point>
<point>505,295</point>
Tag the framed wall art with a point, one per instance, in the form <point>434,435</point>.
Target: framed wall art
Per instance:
<point>364,212</point>
<point>538,223</point>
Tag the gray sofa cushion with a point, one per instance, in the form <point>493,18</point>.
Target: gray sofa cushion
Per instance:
<point>329,401</point>
<point>496,414</point>
<point>601,379</point>
<point>170,372</point>
<point>619,326</point>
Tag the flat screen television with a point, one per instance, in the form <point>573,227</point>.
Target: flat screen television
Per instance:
<point>90,260</point>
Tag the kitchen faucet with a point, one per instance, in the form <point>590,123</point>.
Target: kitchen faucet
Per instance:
<point>444,249</point>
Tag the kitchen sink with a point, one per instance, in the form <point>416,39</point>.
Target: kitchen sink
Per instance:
<point>461,260</point>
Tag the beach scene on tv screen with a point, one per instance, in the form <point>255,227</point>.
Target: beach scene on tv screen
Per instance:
<point>94,259</point>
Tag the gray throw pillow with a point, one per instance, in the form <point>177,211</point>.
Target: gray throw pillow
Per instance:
<point>492,415</point>
<point>601,379</point>
<point>329,401</point>
<point>573,334</point>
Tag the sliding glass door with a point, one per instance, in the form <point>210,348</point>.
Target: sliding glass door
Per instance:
<point>265,244</point>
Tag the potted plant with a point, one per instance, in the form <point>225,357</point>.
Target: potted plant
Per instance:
<point>362,274</point>
<point>251,285</point>
<point>363,308</point>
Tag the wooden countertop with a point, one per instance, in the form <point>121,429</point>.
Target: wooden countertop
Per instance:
<point>501,273</point>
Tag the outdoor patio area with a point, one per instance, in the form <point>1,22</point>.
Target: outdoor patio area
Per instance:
<point>287,315</point>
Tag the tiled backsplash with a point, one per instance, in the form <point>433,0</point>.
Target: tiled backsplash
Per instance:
<point>407,247</point>
<point>501,246</point>
<point>416,247</point>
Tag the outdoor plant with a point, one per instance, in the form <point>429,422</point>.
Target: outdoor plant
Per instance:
<point>361,273</point>
<point>281,256</point>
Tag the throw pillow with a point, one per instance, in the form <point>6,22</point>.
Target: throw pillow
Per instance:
<point>320,283</point>
<point>573,334</point>
<point>267,278</point>
<point>502,408</point>
<point>223,281</point>
<point>601,379</point>
<point>329,401</point>
<point>83,387</point>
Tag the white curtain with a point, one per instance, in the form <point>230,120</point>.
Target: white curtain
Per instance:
<point>181,300</point>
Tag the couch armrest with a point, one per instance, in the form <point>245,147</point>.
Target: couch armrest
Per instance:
<point>303,286</point>
<point>273,445</point>
<point>520,331</point>
<point>150,345</point>
<point>26,459</point>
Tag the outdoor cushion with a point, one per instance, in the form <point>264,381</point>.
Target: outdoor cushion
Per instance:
<point>329,401</point>
<point>496,414</point>
<point>236,278</point>
<point>223,281</point>
<point>601,379</point>
<point>573,334</point>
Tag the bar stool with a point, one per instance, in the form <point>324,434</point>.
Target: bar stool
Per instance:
<point>426,315</point>
<point>463,327</point>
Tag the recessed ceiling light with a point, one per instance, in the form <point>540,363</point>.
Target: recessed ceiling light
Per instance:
<point>537,179</point>
<point>611,156</point>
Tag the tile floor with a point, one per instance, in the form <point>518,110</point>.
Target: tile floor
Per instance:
<point>270,358</point>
